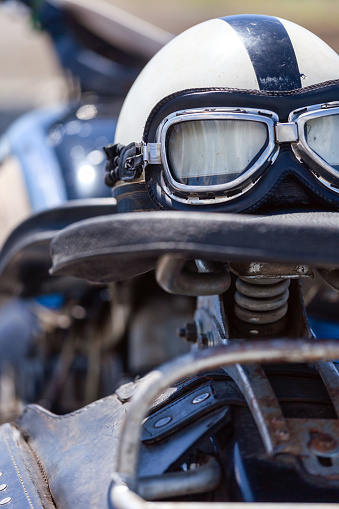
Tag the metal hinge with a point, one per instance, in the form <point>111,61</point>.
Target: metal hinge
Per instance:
<point>151,153</point>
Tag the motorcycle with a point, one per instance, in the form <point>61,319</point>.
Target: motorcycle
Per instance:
<point>250,414</point>
<point>51,170</point>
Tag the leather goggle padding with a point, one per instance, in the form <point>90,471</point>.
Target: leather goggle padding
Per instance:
<point>121,246</point>
<point>282,103</point>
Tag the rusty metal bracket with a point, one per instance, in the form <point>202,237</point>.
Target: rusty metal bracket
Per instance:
<point>125,481</point>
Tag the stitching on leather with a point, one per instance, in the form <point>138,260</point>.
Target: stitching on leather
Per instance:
<point>41,411</point>
<point>16,468</point>
<point>262,93</point>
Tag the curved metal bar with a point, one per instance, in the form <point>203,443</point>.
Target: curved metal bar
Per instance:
<point>186,365</point>
<point>123,498</point>
<point>124,483</point>
<point>176,484</point>
<point>173,278</point>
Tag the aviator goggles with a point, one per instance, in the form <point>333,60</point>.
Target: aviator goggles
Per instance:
<point>215,154</point>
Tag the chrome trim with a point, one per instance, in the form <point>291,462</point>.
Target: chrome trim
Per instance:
<point>151,153</point>
<point>269,118</point>
<point>286,132</point>
<point>278,132</point>
<point>206,201</point>
<point>323,171</point>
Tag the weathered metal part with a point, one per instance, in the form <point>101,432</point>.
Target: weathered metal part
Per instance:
<point>189,333</point>
<point>294,436</point>
<point>237,353</point>
<point>264,406</point>
<point>173,278</point>
<point>331,276</point>
<point>261,305</point>
<point>262,301</point>
<point>313,440</point>
<point>211,321</point>
<point>125,481</point>
<point>199,480</point>
<point>261,317</point>
<point>262,288</point>
<point>330,377</point>
<point>271,270</point>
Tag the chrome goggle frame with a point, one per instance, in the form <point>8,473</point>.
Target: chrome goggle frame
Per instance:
<point>292,132</point>
<point>323,171</point>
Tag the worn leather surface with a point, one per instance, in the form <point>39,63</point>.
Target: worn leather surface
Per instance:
<point>121,246</point>
<point>77,451</point>
<point>21,479</point>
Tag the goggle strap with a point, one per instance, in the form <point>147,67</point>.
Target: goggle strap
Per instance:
<point>123,162</point>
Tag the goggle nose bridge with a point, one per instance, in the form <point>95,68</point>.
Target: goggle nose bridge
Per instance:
<point>286,132</point>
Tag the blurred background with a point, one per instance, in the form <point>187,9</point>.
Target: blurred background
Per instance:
<point>30,74</point>
<point>55,154</point>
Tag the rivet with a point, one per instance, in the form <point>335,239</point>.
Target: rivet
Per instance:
<point>323,443</point>
<point>5,500</point>
<point>3,487</point>
<point>163,422</point>
<point>201,398</point>
<point>282,434</point>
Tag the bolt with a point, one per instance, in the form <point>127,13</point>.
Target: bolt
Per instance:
<point>321,442</point>
<point>204,340</point>
<point>188,333</point>
<point>282,434</point>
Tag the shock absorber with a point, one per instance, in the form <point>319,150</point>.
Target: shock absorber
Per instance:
<point>262,304</point>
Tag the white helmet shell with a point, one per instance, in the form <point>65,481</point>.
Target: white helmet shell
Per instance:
<point>218,53</point>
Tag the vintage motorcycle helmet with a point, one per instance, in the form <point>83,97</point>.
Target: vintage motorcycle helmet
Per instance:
<point>235,114</point>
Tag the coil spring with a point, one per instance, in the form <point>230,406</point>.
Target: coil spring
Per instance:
<point>261,301</point>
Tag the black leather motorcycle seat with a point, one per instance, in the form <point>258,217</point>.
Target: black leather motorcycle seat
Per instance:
<point>121,246</point>
<point>25,258</point>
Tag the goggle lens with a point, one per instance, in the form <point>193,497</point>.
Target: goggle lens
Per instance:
<point>210,152</point>
<point>322,135</point>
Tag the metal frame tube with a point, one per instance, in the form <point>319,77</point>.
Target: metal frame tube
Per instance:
<point>284,350</point>
<point>174,484</point>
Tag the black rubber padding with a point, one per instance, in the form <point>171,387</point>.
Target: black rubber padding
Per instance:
<point>25,258</point>
<point>121,246</point>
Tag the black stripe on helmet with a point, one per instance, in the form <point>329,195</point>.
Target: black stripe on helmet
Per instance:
<point>270,50</point>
